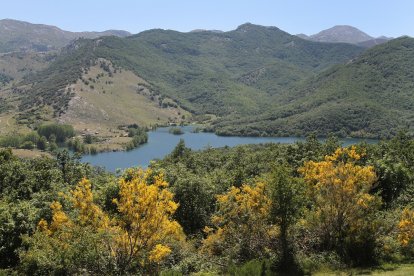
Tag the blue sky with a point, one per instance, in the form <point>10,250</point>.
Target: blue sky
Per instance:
<point>375,17</point>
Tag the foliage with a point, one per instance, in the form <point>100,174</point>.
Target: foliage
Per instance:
<point>261,214</point>
<point>252,268</point>
<point>175,131</point>
<point>60,131</point>
<point>26,190</point>
<point>196,200</point>
<point>139,137</point>
<point>343,210</point>
<point>406,230</point>
<point>371,96</point>
<point>240,229</point>
<point>137,239</point>
<point>288,198</point>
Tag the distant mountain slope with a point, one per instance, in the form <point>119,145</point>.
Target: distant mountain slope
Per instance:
<point>341,33</point>
<point>18,35</point>
<point>371,96</point>
<point>236,72</point>
<point>345,34</point>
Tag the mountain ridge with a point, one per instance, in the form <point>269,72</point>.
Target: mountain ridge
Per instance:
<point>18,35</point>
<point>371,96</point>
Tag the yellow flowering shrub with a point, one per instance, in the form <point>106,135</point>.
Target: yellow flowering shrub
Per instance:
<point>240,227</point>
<point>146,217</point>
<point>342,203</point>
<point>406,227</point>
<point>139,236</point>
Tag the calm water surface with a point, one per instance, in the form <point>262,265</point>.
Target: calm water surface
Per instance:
<point>161,142</point>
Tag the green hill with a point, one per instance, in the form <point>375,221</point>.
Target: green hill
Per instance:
<point>370,96</point>
<point>232,73</point>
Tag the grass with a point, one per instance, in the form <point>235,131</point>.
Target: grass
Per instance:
<point>23,153</point>
<point>388,269</point>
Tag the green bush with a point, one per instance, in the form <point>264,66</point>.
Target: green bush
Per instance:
<point>252,268</point>
<point>27,145</point>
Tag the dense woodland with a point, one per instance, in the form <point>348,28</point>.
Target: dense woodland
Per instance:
<point>248,210</point>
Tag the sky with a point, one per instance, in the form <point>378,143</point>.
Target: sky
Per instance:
<point>376,17</point>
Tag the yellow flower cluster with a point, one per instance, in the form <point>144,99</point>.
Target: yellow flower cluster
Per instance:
<point>243,214</point>
<point>147,211</point>
<point>406,227</point>
<point>342,176</point>
<point>340,188</point>
<point>143,228</point>
<point>89,212</point>
<point>159,253</point>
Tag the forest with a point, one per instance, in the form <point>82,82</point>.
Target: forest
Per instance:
<point>269,209</point>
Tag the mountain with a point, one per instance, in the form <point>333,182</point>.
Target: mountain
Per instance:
<point>18,35</point>
<point>254,80</point>
<point>341,33</point>
<point>370,96</point>
<point>235,72</point>
<point>303,36</point>
<point>345,34</point>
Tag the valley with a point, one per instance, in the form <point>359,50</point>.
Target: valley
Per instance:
<point>191,145</point>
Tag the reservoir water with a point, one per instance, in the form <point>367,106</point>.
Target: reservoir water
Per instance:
<point>161,142</point>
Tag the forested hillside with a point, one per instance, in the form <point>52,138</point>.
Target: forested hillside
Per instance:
<point>204,72</point>
<point>370,96</point>
<point>255,80</point>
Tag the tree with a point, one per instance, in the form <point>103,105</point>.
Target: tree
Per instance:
<point>42,143</point>
<point>179,152</point>
<point>343,208</point>
<point>288,199</point>
<point>195,195</point>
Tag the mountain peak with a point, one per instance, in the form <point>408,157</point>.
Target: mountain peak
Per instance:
<point>341,33</point>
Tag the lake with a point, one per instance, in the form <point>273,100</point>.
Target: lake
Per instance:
<point>161,142</point>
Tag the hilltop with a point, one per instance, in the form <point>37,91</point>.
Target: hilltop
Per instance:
<point>345,34</point>
<point>19,35</point>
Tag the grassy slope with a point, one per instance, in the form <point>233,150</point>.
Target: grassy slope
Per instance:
<point>121,99</point>
<point>371,96</point>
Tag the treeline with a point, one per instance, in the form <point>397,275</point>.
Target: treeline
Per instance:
<point>248,210</point>
<point>60,131</point>
<point>46,137</point>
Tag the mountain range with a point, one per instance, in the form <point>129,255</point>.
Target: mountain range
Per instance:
<point>19,35</point>
<point>254,80</point>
